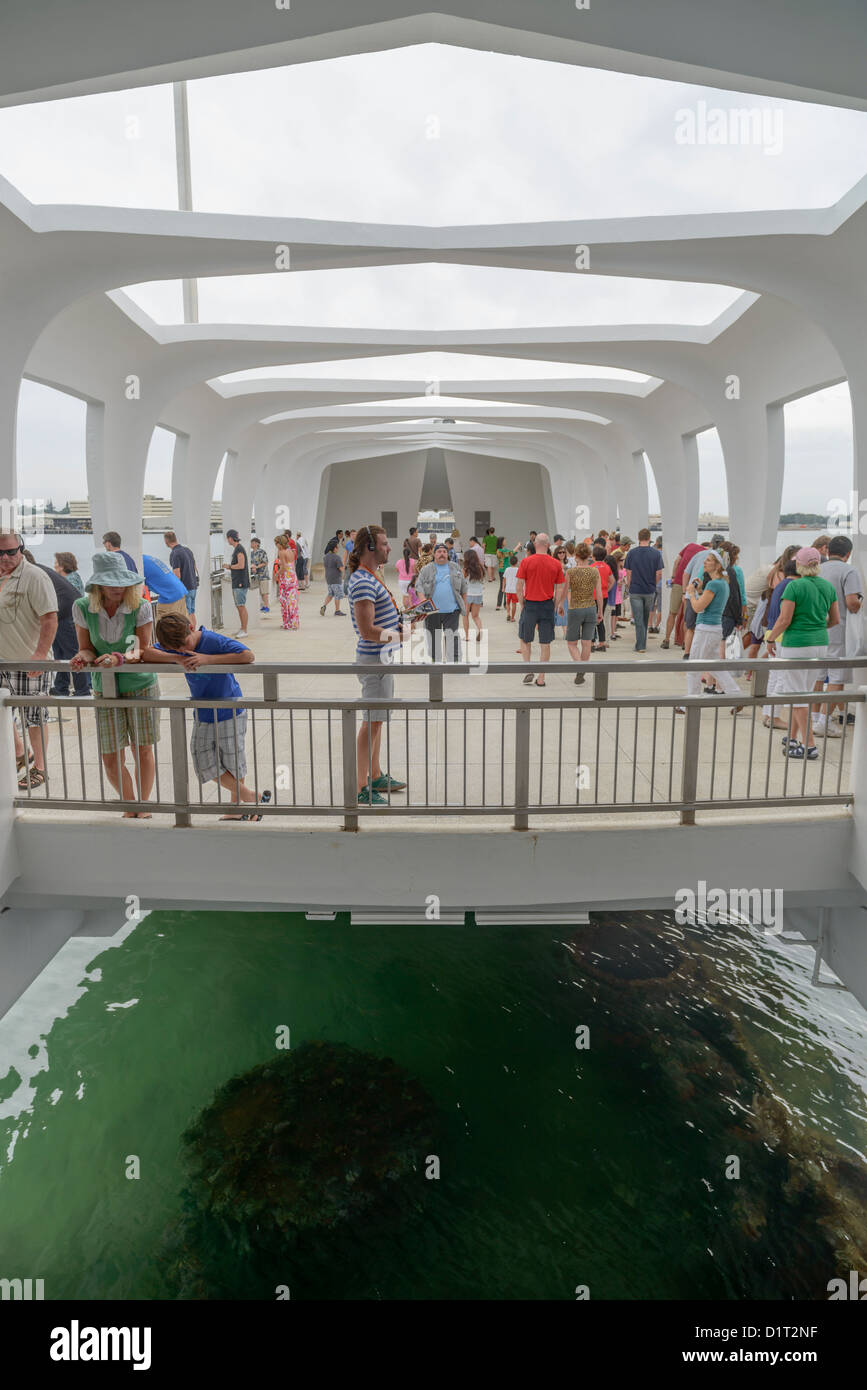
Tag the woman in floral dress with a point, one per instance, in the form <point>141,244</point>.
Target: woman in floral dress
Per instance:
<point>287,583</point>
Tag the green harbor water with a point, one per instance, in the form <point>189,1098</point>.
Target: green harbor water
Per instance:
<point>603,1166</point>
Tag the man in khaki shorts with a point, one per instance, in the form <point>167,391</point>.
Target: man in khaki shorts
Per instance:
<point>28,626</point>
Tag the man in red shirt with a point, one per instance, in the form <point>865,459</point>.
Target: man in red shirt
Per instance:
<point>680,564</point>
<point>540,586</point>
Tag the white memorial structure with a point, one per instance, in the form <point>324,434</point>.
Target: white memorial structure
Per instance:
<point>797,325</point>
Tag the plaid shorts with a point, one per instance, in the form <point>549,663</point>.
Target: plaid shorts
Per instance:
<point>219,746</point>
<point>19,683</point>
<point>116,727</point>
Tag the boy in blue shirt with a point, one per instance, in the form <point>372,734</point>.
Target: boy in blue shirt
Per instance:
<point>218,743</point>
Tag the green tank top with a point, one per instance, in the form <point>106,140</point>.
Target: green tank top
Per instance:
<point>126,680</point>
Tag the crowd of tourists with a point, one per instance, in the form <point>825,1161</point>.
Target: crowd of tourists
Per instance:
<point>585,590</point>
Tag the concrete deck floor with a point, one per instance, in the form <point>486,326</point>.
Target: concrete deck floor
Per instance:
<point>462,757</point>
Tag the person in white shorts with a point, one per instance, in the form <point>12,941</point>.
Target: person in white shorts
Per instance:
<point>807,611</point>
<point>708,602</point>
<point>840,572</point>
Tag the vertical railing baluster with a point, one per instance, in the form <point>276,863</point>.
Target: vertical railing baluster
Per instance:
<point>522,767</point>
<point>689,773</point>
<point>180,773</point>
<point>310,751</point>
<point>62,755</point>
<point>350,773</point>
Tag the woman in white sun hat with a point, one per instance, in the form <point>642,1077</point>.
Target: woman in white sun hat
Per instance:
<point>113,623</point>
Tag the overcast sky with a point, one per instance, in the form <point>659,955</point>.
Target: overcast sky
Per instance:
<point>435,135</point>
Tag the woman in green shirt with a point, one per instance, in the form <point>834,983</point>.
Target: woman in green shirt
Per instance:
<point>807,611</point>
<point>113,623</point>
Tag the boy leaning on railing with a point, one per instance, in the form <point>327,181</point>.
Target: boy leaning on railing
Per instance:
<point>218,743</point>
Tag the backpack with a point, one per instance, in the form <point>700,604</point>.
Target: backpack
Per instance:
<point>734,607</point>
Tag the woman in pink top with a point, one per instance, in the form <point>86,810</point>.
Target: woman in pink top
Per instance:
<point>406,568</point>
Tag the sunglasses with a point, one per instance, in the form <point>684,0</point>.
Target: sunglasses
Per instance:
<point>14,551</point>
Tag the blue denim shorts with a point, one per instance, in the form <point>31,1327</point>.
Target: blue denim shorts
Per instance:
<point>191,600</point>
<point>240,597</point>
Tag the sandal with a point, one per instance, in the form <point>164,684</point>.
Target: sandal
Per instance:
<point>529,678</point>
<point>37,779</point>
<point>540,680</point>
<point>263,799</point>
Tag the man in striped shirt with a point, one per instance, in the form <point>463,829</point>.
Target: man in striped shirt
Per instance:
<point>377,621</point>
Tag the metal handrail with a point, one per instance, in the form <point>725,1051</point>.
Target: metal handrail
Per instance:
<point>457,668</point>
<point>519,736</point>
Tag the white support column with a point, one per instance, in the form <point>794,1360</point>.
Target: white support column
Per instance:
<point>775,422</point>
<point>116,463</point>
<point>195,462</point>
<point>13,356</point>
<point>584,486</point>
<point>631,482</point>
<point>239,493</point>
<point>692,484</point>
<point>560,479</point>
<point>847,334</point>
<point>754,484</point>
<point>671,464</point>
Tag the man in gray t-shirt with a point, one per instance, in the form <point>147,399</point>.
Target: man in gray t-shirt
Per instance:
<point>334,567</point>
<point>848,588</point>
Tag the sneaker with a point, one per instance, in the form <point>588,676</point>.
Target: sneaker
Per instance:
<point>240,633</point>
<point>849,719</point>
<point>580,678</point>
<point>821,728</point>
<point>367,797</point>
<point>386,783</point>
<point>263,609</point>
<point>664,644</point>
<point>339,613</point>
<point>322,611</point>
